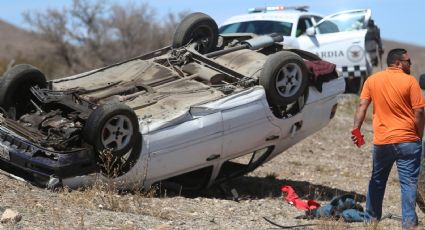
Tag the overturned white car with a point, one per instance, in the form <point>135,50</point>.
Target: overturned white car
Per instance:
<point>185,114</point>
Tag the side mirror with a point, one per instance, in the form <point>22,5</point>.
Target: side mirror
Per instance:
<point>371,23</point>
<point>422,81</point>
<point>311,31</point>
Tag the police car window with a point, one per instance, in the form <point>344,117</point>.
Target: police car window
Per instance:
<point>349,21</point>
<point>258,27</point>
<point>317,18</point>
<point>302,26</point>
<point>326,27</point>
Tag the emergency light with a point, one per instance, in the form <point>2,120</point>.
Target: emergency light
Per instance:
<point>277,8</point>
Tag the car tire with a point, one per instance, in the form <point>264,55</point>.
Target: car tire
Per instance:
<point>15,88</point>
<point>306,55</point>
<point>284,77</point>
<point>199,28</point>
<point>114,127</point>
<point>354,85</point>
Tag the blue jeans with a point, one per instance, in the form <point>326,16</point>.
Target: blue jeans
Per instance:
<point>407,157</point>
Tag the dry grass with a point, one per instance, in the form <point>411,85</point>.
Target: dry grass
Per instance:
<point>106,196</point>
<point>332,225</point>
<point>105,193</point>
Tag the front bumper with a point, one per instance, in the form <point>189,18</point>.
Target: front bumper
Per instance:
<point>39,165</point>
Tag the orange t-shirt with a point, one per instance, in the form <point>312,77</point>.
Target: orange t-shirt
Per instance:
<point>394,95</point>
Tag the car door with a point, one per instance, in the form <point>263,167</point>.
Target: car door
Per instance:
<point>350,40</point>
<point>184,147</point>
<point>246,124</point>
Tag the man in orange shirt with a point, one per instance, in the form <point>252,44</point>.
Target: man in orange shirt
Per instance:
<point>398,124</point>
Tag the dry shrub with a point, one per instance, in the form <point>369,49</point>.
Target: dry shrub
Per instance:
<point>92,34</point>
<point>105,193</point>
<point>107,196</point>
<point>330,224</point>
<point>41,63</point>
<point>271,176</point>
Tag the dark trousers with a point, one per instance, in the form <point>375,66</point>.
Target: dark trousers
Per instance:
<point>407,157</point>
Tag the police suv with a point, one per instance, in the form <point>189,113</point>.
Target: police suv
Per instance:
<point>350,39</point>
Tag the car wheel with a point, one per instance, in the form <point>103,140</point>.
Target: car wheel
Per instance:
<point>15,88</point>
<point>113,128</point>
<point>284,77</point>
<point>305,54</point>
<point>199,28</point>
<point>354,85</point>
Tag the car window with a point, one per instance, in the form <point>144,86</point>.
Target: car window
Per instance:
<point>326,27</point>
<point>347,21</point>
<point>317,19</point>
<point>258,27</point>
<point>303,24</point>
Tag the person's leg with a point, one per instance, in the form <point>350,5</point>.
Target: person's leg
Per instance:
<point>383,160</point>
<point>408,164</point>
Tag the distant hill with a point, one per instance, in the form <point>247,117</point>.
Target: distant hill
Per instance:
<point>16,42</point>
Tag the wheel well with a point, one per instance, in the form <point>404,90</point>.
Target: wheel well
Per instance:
<point>241,165</point>
<point>193,180</point>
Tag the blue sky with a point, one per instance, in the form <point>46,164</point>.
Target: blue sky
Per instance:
<point>399,20</point>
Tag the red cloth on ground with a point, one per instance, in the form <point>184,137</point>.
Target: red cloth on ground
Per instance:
<point>292,198</point>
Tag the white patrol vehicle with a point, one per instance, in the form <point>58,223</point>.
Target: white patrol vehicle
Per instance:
<point>350,39</point>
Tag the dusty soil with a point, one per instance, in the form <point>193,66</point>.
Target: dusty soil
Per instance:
<point>322,166</point>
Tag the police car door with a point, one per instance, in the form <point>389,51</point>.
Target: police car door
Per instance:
<point>340,38</point>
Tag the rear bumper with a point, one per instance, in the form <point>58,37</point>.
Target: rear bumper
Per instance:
<point>37,164</point>
<point>352,71</point>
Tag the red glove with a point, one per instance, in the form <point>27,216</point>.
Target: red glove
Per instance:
<point>357,137</point>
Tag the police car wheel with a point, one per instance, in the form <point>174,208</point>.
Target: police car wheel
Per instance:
<point>354,85</point>
<point>113,131</point>
<point>15,87</point>
<point>199,28</point>
<point>284,77</point>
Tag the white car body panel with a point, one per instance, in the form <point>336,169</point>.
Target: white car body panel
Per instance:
<point>345,50</point>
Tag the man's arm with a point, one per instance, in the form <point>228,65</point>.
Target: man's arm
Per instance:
<point>420,121</point>
<point>360,114</point>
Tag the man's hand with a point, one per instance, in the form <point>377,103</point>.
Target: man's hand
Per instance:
<point>357,137</point>
<point>420,121</point>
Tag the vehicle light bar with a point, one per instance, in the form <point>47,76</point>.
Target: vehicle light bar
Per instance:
<point>277,8</point>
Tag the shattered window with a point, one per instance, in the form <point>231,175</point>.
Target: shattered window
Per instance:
<point>258,27</point>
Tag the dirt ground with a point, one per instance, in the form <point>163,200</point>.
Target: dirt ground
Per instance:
<point>320,167</point>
